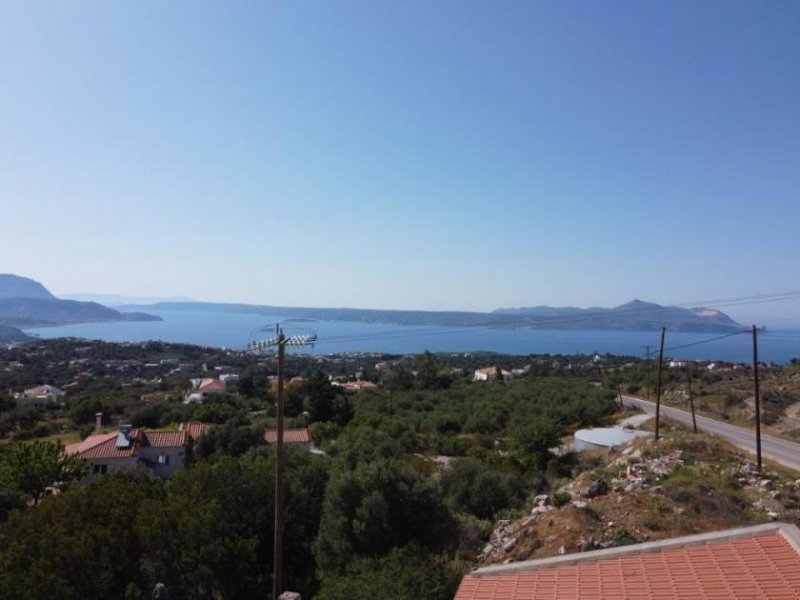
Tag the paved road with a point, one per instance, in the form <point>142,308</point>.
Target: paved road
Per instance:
<point>782,451</point>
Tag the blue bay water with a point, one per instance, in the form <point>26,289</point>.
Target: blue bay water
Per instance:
<point>235,331</point>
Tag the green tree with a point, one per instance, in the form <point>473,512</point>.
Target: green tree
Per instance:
<point>478,489</point>
<point>377,507</point>
<point>321,396</point>
<point>534,435</point>
<point>79,544</point>
<point>404,574</point>
<point>427,370</point>
<point>34,467</point>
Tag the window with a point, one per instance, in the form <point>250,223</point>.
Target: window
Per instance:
<point>99,469</point>
<point>163,459</point>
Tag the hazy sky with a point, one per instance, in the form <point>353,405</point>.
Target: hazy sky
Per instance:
<point>414,154</point>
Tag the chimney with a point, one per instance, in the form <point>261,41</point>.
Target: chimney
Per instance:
<point>98,422</point>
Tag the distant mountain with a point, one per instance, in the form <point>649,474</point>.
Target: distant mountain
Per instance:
<point>27,303</point>
<point>119,300</point>
<point>14,286</point>
<point>634,316</point>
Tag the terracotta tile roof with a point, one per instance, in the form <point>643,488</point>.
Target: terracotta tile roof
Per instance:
<point>105,446</point>
<point>210,386</point>
<point>290,436</point>
<point>195,429</point>
<point>164,439</point>
<point>356,386</point>
<point>89,442</point>
<point>761,562</point>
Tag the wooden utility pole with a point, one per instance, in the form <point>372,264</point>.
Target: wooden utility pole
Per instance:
<point>658,388</point>
<point>647,373</point>
<point>281,341</point>
<point>758,399</point>
<point>691,400</point>
<point>277,550</point>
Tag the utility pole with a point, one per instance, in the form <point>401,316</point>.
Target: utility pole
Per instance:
<point>691,400</point>
<point>277,550</point>
<point>758,399</point>
<point>281,341</point>
<point>658,389</point>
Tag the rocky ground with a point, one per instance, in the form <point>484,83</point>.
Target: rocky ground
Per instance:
<point>683,484</point>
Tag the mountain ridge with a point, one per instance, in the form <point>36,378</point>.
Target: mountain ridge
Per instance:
<point>26,303</point>
<point>635,315</point>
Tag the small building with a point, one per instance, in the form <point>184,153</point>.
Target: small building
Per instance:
<point>749,562</point>
<point>490,374</point>
<point>359,386</point>
<point>300,438</point>
<point>41,396</point>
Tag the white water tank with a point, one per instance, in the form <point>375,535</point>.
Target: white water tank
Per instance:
<point>605,437</point>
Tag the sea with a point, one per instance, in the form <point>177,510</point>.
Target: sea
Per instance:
<point>237,331</point>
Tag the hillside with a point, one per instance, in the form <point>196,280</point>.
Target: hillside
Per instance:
<point>27,303</point>
<point>684,484</point>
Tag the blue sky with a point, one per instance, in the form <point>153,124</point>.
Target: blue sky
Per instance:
<point>430,155</point>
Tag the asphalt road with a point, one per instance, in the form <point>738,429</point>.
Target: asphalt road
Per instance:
<point>781,451</point>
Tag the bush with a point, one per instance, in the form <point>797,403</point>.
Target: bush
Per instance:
<point>623,537</point>
<point>560,499</point>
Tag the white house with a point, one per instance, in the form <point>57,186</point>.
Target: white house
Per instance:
<point>41,396</point>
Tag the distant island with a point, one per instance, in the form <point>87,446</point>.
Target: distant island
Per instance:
<point>26,303</point>
<point>633,316</point>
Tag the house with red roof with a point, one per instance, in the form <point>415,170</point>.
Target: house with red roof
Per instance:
<point>202,388</point>
<point>760,562</point>
<point>161,453</point>
<point>299,438</point>
<point>359,386</point>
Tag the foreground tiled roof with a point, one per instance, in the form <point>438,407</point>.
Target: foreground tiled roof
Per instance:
<point>290,436</point>
<point>761,562</point>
